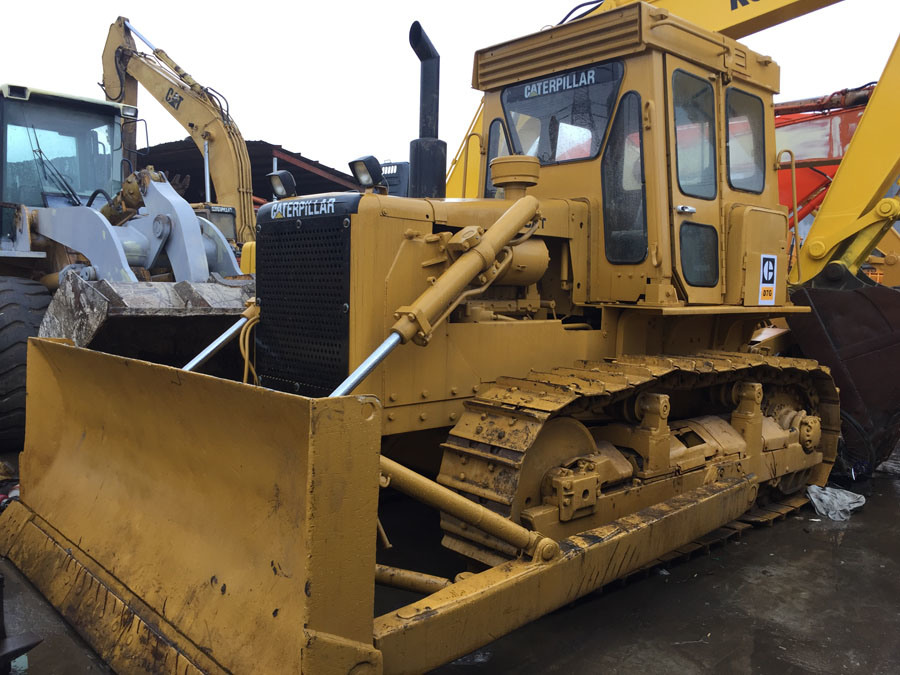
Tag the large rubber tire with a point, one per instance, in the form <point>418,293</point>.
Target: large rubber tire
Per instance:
<point>22,306</point>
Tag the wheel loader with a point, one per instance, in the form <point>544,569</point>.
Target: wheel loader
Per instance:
<point>110,253</point>
<point>559,371</point>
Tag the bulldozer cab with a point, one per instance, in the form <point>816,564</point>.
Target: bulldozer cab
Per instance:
<point>57,149</point>
<point>666,134</point>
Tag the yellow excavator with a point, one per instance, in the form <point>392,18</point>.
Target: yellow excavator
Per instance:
<point>855,323</point>
<point>560,370</point>
<point>202,112</point>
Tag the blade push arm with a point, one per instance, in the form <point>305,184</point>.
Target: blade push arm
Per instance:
<point>196,108</point>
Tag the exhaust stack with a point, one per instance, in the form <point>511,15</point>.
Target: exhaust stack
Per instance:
<point>427,154</point>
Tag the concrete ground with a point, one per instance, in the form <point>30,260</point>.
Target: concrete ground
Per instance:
<point>61,652</point>
<point>807,595</point>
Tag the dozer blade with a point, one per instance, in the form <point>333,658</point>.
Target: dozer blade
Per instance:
<point>163,322</point>
<point>856,333</point>
<point>188,524</point>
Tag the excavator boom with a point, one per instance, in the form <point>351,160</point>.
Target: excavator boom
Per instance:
<point>854,326</point>
<point>198,109</point>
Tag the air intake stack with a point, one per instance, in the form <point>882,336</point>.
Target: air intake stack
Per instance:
<point>427,154</point>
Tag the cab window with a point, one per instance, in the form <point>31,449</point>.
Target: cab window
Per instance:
<point>699,254</point>
<point>746,141</point>
<point>695,135</point>
<point>624,192</point>
<point>497,147</point>
<point>563,117</point>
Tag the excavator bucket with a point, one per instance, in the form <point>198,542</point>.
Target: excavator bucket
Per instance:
<point>856,333</point>
<point>163,322</point>
<point>188,524</point>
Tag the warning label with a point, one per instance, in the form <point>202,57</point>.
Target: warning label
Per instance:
<point>768,269</point>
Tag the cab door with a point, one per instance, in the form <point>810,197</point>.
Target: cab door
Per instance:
<point>692,106</point>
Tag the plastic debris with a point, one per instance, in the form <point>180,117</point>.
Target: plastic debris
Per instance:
<point>834,502</point>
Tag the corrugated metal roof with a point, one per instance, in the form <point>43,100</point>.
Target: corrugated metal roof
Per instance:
<point>183,158</point>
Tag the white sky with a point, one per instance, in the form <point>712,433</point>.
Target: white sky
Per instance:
<point>336,80</point>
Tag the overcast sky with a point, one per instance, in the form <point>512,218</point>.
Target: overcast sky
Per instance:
<point>336,80</point>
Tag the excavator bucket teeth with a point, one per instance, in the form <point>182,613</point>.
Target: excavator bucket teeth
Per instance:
<point>188,524</point>
<point>163,322</point>
<point>856,333</point>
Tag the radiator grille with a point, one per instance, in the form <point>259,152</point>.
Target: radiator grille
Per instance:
<point>303,284</point>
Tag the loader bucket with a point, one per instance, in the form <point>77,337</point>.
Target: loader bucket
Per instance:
<point>856,333</point>
<point>186,524</point>
<point>163,322</point>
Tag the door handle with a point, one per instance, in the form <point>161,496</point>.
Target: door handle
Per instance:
<point>684,209</point>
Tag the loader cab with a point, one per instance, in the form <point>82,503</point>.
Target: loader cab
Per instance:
<point>666,131</point>
<point>57,150</point>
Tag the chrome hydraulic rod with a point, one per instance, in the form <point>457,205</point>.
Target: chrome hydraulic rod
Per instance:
<point>143,39</point>
<point>367,366</point>
<point>206,169</point>
<point>216,345</point>
<point>252,312</point>
<point>417,319</point>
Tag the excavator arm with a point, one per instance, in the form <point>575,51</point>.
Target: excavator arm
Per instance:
<point>197,108</point>
<point>854,325</point>
<point>734,18</point>
<point>856,215</point>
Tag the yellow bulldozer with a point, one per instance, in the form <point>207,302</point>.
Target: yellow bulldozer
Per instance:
<point>559,370</point>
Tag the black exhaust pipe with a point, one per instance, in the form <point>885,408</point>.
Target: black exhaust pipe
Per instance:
<point>427,154</point>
